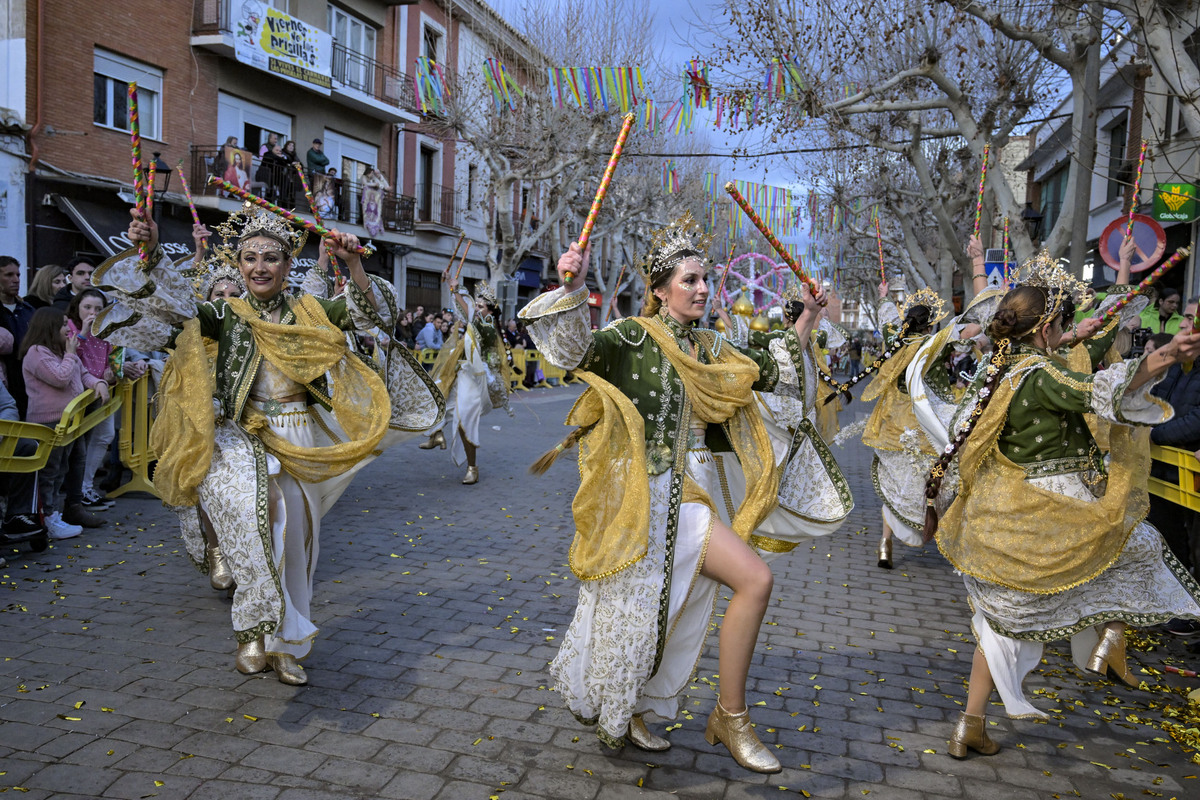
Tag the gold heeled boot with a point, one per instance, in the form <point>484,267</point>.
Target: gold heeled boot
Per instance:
<point>1109,656</point>
<point>734,731</point>
<point>286,669</point>
<point>641,736</point>
<point>251,657</point>
<point>971,733</point>
<point>220,576</point>
<point>437,440</point>
<point>885,552</point>
<point>472,476</point>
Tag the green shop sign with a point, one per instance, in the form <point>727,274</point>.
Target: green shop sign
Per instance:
<point>1174,202</point>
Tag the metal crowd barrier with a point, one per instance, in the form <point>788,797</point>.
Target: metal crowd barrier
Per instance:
<point>1186,489</point>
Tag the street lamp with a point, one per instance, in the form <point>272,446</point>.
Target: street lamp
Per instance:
<point>1033,220</point>
<point>158,171</point>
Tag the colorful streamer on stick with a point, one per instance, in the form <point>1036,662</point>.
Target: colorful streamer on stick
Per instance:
<point>770,237</point>
<point>1137,189</point>
<point>1115,309</point>
<point>139,179</point>
<point>604,182</point>
<point>187,193</point>
<point>982,182</point>
<point>879,243</point>
<point>311,227</point>
<point>312,205</point>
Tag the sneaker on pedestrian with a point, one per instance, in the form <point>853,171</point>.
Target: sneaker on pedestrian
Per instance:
<point>20,527</point>
<point>78,515</point>
<point>94,501</point>
<point>58,529</point>
<point>3,562</point>
<point>1182,627</point>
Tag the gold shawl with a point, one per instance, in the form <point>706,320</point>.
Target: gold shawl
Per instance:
<point>893,414</point>
<point>304,352</point>
<point>183,431</point>
<point>612,506</point>
<point>1004,530</point>
<point>445,367</point>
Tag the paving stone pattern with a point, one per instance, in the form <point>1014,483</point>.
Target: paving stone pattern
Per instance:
<point>440,606</point>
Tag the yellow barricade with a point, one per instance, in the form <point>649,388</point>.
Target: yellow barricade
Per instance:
<point>519,363</point>
<point>533,361</point>
<point>427,356</point>
<point>1186,489</point>
<point>133,443</point>
<point>75,422</point>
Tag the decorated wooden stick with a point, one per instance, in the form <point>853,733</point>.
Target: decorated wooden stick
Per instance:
<point>454,255</point>
<point>728,262</point>
<point>586,233</point>
<point>312,204</point>
<point>1006,250</point>
<point>139,185</point>
<point>462,260</point>
<point>1115,309</point>
<point>769,236</point>
<point>982,181</point>
<point>187,193</point>
<point>1137,188</point>
<point>311,227</point>
<point>879,242</point>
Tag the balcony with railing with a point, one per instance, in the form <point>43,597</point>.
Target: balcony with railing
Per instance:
<point>437,205</point>
<point>337,199</point>
<point>358,80</point>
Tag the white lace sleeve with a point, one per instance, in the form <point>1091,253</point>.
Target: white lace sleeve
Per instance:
<point>363,315</point>
<point>797,377</point>
<point>1132,309</point>
<point>889,314</point>
<point>835,335</point>
<point>147,303</point>
<point>740,335</point>
<point>560,326</point>
<point>1113,400</point>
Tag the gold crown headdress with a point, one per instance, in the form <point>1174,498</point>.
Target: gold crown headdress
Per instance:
<point>682,239</point>
<point>925,297</point>
<point>484,292</point>
<point>792,292</point>
<point>250,221</point>
<point>211,271</point>
<point>1051,276</point>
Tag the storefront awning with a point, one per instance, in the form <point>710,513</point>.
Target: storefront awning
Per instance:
<point>106,226</point>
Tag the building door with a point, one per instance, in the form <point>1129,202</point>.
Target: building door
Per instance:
<point>351,157</point>
<point>249,122</point>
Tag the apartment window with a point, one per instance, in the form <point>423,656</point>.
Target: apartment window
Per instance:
<point>1118,167</point>
<point>1054,190</point>
<point>432,43</point>
<point>425,189</point>
<point>472,176</point>
<point>111,75</point>
<point>353,50</point>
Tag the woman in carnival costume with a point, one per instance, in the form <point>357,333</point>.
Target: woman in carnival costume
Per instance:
<point>814,495</point>
<point>653,541</point>
<point>1048,532</point>
<point>472,371</point>
<point>264,437</point>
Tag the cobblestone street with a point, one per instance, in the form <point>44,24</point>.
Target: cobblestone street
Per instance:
<point>440,606</point>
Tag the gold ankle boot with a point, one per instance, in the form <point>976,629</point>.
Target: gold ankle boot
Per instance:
<point>220,576</point>
<point>734,731</point>
<point>885,552</point>
<point>971,733</point>
<point>641,736</point>
<point>472,476</point>
<point>1109,656</point>
<point>251,657</point>
<point>286,669</point>
<point>437,440</point>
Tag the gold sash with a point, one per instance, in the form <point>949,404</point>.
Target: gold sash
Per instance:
<point>893,413</point>
<point>1005,530</point>
<point>183,430</point>
<point>612,506</point>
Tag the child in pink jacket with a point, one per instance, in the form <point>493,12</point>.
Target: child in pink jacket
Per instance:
<point>54,376</point>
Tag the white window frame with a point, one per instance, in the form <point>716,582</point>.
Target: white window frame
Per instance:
<point>352,22</point>
<point>428,22</point>
<point>119,69</point>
